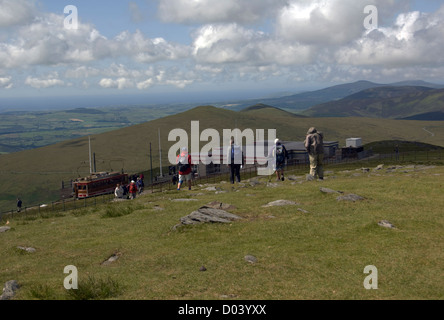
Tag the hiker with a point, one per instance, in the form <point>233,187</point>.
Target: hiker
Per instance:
<point>397,152</point>
<point>140,185</point>
<point>184,163</point>
<point>235,160</point>
<point>19,205</point>
<point>314,144</point>
<point>118,192</point>
<point>133,190</point>
<point>280,155</point>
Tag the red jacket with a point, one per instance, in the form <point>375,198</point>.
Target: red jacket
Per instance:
<point>133,188</point>
<point>188,171</point>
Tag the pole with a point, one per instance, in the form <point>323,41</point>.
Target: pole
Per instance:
<point>151,165</point>
<point>160,156</point>
<point>90,162</point>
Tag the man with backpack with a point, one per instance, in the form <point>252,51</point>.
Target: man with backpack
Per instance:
<point>314,144</point>
<point>133,190</point>
<point>184,164</point>
<point>280,155</point>
<point>235,160</point>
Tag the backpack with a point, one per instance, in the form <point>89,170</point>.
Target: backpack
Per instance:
<point>183,163</point>
<point>318,143</point>
<point>280,154</point>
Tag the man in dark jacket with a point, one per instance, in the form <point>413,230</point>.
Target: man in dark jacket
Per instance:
<point>314,144</point>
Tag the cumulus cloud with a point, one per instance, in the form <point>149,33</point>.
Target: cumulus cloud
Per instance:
<point>210,11</point>
<point>230,40</point>
<point>40,83</point>
<point>16,12</point>
<point>322,22</point>
<point>231,43</point>
<point>120,83</point>
<point>5,82</point>
<point>415,39</point>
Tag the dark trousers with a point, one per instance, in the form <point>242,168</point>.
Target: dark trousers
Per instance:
<point>235,172</point>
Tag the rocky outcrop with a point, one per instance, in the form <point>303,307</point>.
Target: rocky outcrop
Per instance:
<point>9,290</point>
<point>208,214</point>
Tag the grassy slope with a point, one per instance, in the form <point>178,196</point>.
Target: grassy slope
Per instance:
<point>36,174</point>
<point>319,255</point>
<point>383,102</point>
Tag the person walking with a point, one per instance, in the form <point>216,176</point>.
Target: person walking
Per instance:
<point>235,160</point>
<point>184,163</point>
<point>280,155</point>
<point>19,205</point>
<point>140,184</point>
<point>133,190</point>
<point>314,144</point>
<point>118,192</point>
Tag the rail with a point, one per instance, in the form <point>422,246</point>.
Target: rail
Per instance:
<point>246,173</point>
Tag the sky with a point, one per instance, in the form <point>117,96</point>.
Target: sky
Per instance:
<point>218,48</point>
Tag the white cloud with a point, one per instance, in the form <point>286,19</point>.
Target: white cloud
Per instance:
<point>415,39</point>
<point>49,81</point>
<point>120,83</point>
<point>5,82</point>
<point>243,40</point>
<point>231,43</point>
<point>211,11</point>
<point>16,12</point>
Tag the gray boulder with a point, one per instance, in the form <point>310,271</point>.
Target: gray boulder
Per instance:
<point>9,290</point>
<point>280,203</point>
<point>207,214</point>
<point>350,197</point>
<point>4,229</point>
<point>327,190</point>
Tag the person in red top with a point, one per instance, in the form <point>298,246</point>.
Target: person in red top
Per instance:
<point>184,163</point>
<point>133,190</point>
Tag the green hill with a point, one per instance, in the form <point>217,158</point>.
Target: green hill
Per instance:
<point>383,102</point>
<point>263,110</point>
<point>315,249</point>
<point>36,175</point>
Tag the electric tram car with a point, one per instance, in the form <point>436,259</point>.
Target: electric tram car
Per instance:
<point>98,184</point>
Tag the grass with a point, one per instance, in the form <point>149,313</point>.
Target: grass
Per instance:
<point>317,255</point>
<point>36,175</point>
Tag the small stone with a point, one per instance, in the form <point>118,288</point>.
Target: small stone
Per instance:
<point>386,224</point>
<point>251,259</point>
<point>280,203</point>
<point>203,269</point>
<point>4,229</point>
<point>327,190</point>
<point>350,197</point>
<point>9,290</point>
<point>29,250</point>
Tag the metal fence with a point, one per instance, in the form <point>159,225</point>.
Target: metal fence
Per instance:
<point>293,166</point>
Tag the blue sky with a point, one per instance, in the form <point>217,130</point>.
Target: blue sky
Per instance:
<point>198,47</point>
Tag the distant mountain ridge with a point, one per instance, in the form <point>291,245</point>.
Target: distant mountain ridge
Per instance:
<point>303,101</point>
<point>388,102</point>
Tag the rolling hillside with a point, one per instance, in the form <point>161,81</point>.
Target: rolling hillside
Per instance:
<point>304,101</point>
<point>384,102</point>
<point>36,175</point>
